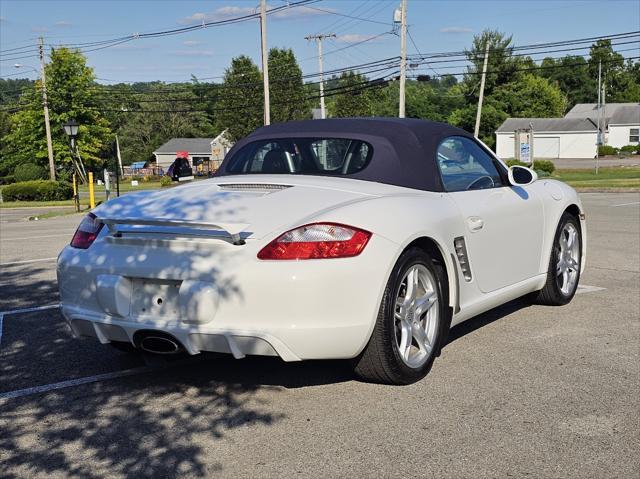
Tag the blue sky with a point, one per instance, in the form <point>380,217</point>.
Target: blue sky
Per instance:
<point>435,25</point>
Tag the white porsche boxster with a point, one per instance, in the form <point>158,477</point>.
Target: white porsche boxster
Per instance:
<point>360,239</point>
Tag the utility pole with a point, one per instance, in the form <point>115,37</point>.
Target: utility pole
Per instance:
<point>599,137</point>
<point>476,130</point>
<point>403,56</point>
<point>47,125</point>
<point>265,60</point>
<point>318,39</point>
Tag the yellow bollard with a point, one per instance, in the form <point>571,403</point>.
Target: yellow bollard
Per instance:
<point>76,196</point>
<point>92,199</point>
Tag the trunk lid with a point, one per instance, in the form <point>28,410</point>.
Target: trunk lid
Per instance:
<point>256,205</point>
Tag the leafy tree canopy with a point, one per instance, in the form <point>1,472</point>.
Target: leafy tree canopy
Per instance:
<point>241,98</point>
<point>72,94</point>
<point>288,98</point>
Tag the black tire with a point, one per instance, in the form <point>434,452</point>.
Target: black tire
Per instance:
<point>551,294</point>
<point>124,347</point>
<point>380,361</point>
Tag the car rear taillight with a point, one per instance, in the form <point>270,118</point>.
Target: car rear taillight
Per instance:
<point>87,232</point>
<point>317,241</point>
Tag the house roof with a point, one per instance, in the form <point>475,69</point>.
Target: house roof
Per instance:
<point>614,113</point>
<point>192,145</point>
<point>547,124</point>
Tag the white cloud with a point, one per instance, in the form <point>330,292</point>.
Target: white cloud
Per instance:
<point>301,12</point>
<point>192,53</point>
<point>227,12</point>
<point>39,29</point>
<point>456,30</point>
<point>191,43</point>
<point>354,38</point>
<point>63,24</point>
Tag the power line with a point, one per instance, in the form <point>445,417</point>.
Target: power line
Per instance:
<point>94,46</point>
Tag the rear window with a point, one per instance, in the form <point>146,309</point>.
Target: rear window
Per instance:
<point>302,156</point>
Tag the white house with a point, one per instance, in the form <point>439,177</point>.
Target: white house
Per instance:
<point>205,154</point>
<point>575,135</point>
<point>621,121</point>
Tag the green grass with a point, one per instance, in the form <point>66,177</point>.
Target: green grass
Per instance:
<point>55,213</point>
<point>125,186</point>
<point>606,178</point>
<point>38,204</point>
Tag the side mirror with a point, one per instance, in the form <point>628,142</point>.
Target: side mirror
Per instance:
<point>521,176</point>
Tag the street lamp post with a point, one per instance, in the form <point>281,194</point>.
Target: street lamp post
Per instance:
<point>71,129</point>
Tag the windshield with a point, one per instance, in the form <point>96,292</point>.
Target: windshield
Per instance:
<point>302,156</point>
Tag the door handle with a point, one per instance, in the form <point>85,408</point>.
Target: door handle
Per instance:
<point>475,223</point>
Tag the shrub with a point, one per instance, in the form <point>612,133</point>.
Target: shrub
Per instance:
<point>64,175</point>
<point>515,163</point>
<point>544,165</point>
<point>39,190</point>
<point>7,180</point>
<point>604,150</point>
<point>165,181</point>
<point>632,149</point>
<point>29,172</point>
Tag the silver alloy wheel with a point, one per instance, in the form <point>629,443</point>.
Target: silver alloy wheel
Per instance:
<point>416,316</point>
<point>568,264</point>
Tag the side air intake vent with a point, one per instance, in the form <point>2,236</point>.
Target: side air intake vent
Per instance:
<point>257,187</point>
<point>463,259</point>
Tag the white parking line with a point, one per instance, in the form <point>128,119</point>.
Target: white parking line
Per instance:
<point>29,261</point>
<point>30,310</point>
<point>37,237</point>
<point>626,204</point>
<point>73,382</point>
<point>1,318</point>
<point>583,288</point>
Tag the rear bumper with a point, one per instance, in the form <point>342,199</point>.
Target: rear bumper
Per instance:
<point>236,342</point>
<point>314,309</point>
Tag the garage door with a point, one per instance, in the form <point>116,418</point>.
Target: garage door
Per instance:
<point>546,147</point>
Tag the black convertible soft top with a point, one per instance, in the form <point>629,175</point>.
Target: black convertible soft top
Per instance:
<point>404,149</point>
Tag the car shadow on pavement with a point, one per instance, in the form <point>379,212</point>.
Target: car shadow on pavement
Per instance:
<point>486,318</point>
<point>163,424</point>
<point>169,420</point>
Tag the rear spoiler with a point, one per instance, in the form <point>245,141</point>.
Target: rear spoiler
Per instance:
<point>232,229</point>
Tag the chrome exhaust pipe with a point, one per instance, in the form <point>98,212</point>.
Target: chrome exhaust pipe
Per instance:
<point>157,344</point>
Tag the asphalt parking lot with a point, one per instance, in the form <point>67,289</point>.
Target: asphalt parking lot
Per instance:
<point>520,391</point>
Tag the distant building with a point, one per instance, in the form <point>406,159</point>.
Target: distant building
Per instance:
<point>575,135</point>
<point>205,154</point>
<point>621,121</point>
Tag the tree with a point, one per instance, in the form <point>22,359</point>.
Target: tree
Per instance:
<point>531,96</point>
<point>72,94</point>
<point>241,98</point>
<point>501,65</point>
<point>615,77</point>
<point>526,96</point>
<point>354,96</point>
<point>287,93</point>
<point>571,74</point>
<point>164,112</point>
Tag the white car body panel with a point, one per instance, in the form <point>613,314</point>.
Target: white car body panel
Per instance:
<point>218,296</point>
